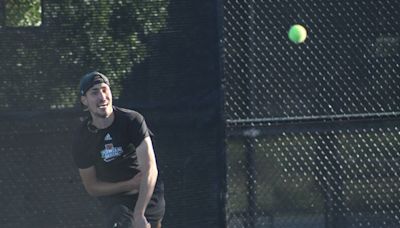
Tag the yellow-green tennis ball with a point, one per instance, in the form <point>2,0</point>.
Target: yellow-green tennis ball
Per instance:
<point>297,34</point>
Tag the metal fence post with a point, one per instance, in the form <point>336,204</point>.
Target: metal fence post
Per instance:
<point>251,181</point>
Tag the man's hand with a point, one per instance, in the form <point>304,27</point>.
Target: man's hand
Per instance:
<point>141,222</point>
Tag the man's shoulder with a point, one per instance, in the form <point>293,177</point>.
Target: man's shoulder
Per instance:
<point>128,113</point>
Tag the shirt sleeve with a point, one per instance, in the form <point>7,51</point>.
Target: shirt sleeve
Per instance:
<point>139,129</point>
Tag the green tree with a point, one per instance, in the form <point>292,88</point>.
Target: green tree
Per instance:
<point>40,69</point>
<point>23,13</point>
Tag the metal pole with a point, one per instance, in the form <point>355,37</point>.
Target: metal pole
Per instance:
<point>251,182</point>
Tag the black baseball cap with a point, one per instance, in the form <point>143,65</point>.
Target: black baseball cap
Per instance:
<point>91,79</point>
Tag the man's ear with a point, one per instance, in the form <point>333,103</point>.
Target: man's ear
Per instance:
<point>84,100</point>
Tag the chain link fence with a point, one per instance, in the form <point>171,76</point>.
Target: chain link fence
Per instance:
<point>313,128</point>
<point>161,58</point>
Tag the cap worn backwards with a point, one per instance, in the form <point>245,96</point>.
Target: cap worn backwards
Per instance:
<point>90,80</point>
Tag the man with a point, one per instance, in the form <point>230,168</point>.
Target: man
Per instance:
<point>114,153</point>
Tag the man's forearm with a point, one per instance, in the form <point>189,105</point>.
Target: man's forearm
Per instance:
<point>146,189</point>
<point>148,168</point>
<point>100,188</point>
<point>97,188</point>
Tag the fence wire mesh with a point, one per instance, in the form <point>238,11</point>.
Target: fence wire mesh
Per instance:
<point>336,178</point>
<point>161,57</point>
<point>349,64</point>
<point>313,128</point>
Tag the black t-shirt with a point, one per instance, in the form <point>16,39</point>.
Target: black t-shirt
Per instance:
<point>112,150</point>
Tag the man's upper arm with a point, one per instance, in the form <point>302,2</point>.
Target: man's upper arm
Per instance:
<point>145,154</point>
<point>88,176</point>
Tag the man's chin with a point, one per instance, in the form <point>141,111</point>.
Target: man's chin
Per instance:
<point>104,113</point>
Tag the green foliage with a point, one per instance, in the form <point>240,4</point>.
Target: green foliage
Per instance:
<point>23,13</point>
<point>280,188</point>
<point>77,36</point>
<point>114,35</point>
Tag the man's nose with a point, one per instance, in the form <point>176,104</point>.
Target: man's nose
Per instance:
<point>102,95</point>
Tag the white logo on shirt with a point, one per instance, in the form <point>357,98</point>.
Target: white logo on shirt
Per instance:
<point>108,137</point>
<point>110,152</point>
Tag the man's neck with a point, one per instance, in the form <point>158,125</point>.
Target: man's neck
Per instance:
<point>103,122</point>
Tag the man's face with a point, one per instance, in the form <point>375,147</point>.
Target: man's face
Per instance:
<point>98,99</point>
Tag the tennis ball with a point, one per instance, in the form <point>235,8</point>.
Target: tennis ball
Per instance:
<point>297,34</point>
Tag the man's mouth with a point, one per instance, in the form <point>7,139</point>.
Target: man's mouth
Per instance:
<point>103,106</point>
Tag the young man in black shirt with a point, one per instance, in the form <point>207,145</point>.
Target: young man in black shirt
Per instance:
<point>114,153</point>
